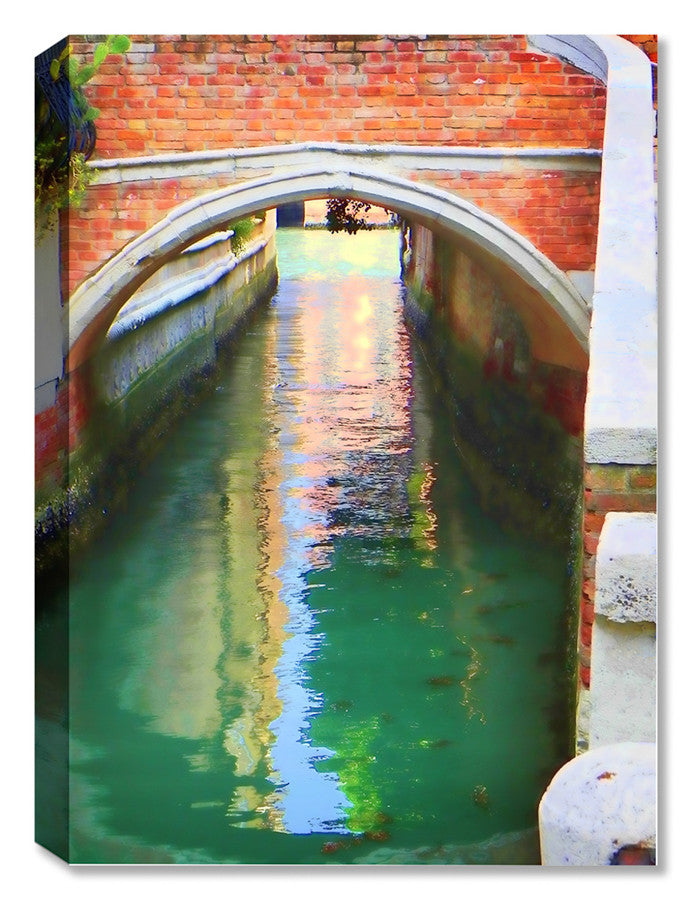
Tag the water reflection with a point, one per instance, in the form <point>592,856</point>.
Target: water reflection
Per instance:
<point>303,626</point>
<point>337,394</point>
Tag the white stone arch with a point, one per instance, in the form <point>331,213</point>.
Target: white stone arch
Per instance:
<point>97,300</point>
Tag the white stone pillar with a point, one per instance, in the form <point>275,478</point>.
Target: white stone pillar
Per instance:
<point>623,651</point>
<point>600,808</point>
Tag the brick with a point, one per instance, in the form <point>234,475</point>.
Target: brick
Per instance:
<point>524,57</point>
<point>643,479</point>
<point>383,45</point>
<point>591,542</point>
<point>605,477</point>
<point>378,68</point>
<point>593,522</point>
<point>599,502</point>
<point>585,631</point>
<point>587,607</point>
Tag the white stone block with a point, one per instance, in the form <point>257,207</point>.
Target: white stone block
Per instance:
<point>626,568</point>
<point>623,682</point>
<point>598,803</point>
<point>623,646</point>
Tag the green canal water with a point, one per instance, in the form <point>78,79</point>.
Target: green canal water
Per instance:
<point>302,641</point>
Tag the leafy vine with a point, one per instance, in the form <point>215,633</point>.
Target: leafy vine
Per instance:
<point>64,130</point>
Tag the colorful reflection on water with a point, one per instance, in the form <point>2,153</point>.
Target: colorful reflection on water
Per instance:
<point>303,642</point>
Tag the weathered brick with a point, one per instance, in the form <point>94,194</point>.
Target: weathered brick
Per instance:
<point>587,607</point>
<point>405,96</point>
<point>642,478</point>
<point>606,477</point>
<point>626,502</point>
<point>591,542</point>
<point>593,522</point>
<point>585,632</point>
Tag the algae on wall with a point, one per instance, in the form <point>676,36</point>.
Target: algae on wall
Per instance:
<point>140,384</point>
<point>526,466</point>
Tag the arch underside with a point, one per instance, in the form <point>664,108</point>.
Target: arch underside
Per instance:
<point>95,303</point>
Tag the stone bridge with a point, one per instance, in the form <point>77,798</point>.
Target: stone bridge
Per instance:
<point>534,153</point>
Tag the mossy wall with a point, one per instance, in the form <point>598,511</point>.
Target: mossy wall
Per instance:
<point>518,420</point>
<point>124,400</point>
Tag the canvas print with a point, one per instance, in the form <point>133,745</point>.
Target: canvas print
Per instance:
<point>346,430</point>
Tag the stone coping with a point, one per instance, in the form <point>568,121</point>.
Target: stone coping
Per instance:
<point>598,803</point>
<point>233,161</point>
<point>209,241</point>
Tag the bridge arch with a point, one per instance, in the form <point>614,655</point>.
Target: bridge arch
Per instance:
<point>537,282</point>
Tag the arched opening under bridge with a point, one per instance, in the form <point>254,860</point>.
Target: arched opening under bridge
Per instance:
<point>549,303</point>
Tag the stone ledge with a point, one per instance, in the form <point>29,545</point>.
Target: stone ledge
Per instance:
<point>626,568</point>
<point>623,682</point>
<point>245,161</point>
<point>147,305</point>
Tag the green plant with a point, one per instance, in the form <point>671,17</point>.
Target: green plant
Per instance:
<point>64,130</point>
<point>344,214</point>
<point>80,74</point>
<point>57,187</point>
<point>242,230</point>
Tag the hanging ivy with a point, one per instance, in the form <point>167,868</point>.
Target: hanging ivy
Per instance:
<point>65,134</point>
<point>241,232</point>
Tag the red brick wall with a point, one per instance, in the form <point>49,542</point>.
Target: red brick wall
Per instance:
<point>557,211</point>
<point>57,431</point>
<point>50,444</point>
<point>176,93</point>
<point>194,93</point>
<point>116,213</point>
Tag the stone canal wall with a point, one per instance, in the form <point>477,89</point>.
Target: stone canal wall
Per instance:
<point>518,388</point>
<point>108,414</point>
<point>516,384</point>
<point>518,381</point>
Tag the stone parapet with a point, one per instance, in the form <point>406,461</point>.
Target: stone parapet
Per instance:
<point>623,641</point>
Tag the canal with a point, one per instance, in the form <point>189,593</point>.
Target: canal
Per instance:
<point>302,640</point>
